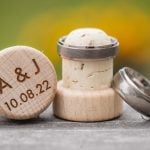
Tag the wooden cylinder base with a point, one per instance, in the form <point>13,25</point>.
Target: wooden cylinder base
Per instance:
<point>86,106</point>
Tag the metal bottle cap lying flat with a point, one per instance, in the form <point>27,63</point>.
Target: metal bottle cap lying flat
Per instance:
<point>134,88</point>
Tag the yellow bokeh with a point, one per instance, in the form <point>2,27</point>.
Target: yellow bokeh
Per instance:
<point>129,25</point>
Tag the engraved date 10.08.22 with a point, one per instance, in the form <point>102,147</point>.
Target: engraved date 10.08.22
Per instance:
<point>28,95</point>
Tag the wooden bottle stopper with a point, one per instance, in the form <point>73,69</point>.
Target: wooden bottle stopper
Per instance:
<point>85,92</point>
<point>82,105</point>
<point>27,82</point>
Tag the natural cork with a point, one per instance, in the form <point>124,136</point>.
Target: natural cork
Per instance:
<point>85,92</point>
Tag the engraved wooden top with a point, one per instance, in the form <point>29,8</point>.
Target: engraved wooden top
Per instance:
<point>27,82</point>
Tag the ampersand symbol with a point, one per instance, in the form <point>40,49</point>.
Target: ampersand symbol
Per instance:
<point>21,77</point>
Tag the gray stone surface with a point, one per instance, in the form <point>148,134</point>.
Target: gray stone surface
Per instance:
<point>129,131</point>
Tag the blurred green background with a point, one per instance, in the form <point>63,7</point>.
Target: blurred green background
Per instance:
<point>39,23</point>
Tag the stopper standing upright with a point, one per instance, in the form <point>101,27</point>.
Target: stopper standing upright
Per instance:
<point>85,92</point>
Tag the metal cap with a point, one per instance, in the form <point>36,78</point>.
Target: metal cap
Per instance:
<point>78,52</point>
<point>134,88</point>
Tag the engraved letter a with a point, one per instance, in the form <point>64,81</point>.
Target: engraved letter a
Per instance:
<point>3,84</point>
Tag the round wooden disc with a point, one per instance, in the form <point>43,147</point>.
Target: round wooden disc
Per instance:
<point>27,82</point>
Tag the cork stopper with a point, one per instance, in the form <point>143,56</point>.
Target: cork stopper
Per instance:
<point>27,82</point>
<point>87,37</point>
<point>85,93</point>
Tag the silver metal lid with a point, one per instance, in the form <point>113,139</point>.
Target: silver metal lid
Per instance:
<point>134,88</point>
<point>78,52</point>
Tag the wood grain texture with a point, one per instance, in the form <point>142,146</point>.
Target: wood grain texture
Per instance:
<point>129,132</point>
<point>27,82</point>
<point>78,105</point>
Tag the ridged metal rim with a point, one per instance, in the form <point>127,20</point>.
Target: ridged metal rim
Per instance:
<point>134,89</point>
<point>79,52</point>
